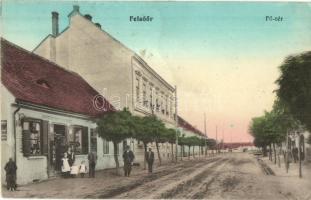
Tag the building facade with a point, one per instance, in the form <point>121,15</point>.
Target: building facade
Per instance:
<point>45,109</point>
<point>114,70</point>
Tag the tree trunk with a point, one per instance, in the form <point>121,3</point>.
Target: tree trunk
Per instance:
<point>145,151</point>
<point>182,151</point>
<point>274,153</point>
<point>116,159</point>
<point>189,153</point>
<point>270,152</point>
<point>279,157</point>
<point>159,155</point>
<point>264,151</point>
<point>193,151</point>
<point>172,149</point>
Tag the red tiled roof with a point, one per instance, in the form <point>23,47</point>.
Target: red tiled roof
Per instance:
<point>183,123</point>
<point>33,79</point>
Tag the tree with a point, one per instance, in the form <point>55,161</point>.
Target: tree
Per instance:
<point>155,128</point>
<point>295,86</point>
<point>170,135</point>
<point>115,127</point>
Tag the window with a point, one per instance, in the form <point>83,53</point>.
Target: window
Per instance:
<point>105,146</point>
<point>145,101</point>
<point>151,98</point>
<point>166,105</point>
<point>34,137</point>
<point>93,140</point>
<point>137,89</point>
<point>80,141</point>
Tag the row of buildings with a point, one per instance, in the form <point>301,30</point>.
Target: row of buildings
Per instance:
<point>50,96</point>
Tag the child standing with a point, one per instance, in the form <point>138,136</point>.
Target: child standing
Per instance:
<point>65,166</point>
<point>82,169</point>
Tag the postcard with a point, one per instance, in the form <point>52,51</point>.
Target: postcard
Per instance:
<point>155,100</point>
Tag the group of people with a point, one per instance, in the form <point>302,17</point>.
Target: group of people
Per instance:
<point>128,158</point>
<point>69,169</point>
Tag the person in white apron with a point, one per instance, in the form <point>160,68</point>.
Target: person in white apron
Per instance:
<point>65,166</point>
<point>82,169</point>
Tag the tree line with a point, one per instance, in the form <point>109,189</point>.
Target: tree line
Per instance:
<point>121,125</point>
<point>291,111</point>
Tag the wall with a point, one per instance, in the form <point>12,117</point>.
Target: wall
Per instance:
<point>101,60</point>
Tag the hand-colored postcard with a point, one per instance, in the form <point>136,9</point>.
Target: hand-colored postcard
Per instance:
<point>155,100</point>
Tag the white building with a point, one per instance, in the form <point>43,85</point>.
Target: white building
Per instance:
<point>44,107</point>
<point>114,70</point>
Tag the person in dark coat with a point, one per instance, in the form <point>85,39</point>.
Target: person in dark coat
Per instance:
<point>128,158</point>
<point>92,157</point>
<point>71,156</point>
<point>10,169</point>
<point>150,159</point>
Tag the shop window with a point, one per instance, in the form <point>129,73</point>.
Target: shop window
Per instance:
<point>105,146</point>
<point>34,137</point>
<point>93,140</point>
<point>79,141</point>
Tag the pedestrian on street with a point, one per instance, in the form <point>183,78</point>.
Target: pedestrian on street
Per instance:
<point>128,158</point>
<point>92,157</point>
<point>150,159</point>
<point>65,166</point>
<point>10,169</point>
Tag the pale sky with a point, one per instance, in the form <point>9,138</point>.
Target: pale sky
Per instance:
<point>223,56</point>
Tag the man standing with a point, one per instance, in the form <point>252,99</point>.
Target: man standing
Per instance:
<point>150,159</point>
<point>92,157</point>
<point>128,158</point>
<point>10,169</point>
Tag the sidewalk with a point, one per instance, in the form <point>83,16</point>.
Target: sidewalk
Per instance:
<point>77,188</point>
<point>298,188</point>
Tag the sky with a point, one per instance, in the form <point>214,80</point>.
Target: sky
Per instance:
<point>222,56</point>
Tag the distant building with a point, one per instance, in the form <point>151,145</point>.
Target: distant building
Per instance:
<point>43,108</point>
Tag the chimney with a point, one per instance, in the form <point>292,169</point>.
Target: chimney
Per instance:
<point>98,25</point>
<point>76,8</point>
<point>54,23</point>
<point>89,17</point>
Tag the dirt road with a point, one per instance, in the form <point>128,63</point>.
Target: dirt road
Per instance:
<point>229,176</point>
<point>237,176</point>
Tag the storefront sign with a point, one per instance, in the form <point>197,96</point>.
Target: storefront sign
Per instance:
<point>4,130</point>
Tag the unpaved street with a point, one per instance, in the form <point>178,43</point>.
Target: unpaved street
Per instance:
<point>228,176</point>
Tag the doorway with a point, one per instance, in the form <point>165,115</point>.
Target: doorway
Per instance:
<point>57,148</point>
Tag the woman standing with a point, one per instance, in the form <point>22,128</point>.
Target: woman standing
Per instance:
<point>65,166</point>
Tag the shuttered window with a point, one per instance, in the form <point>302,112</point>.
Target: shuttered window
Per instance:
<point>34,137</point>
<point>93,140</point>
<point>85,140</point>
<point>105,146</point>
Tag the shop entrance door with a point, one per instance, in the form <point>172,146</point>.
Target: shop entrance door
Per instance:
<point>58,148</point>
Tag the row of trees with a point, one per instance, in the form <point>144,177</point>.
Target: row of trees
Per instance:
<point>121,125</point>
<point>291,111</point>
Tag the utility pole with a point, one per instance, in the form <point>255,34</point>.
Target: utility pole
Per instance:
<point>176,120</point>
<point>223,139</point>
<point>205,135</point>
<point>216,140</point>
